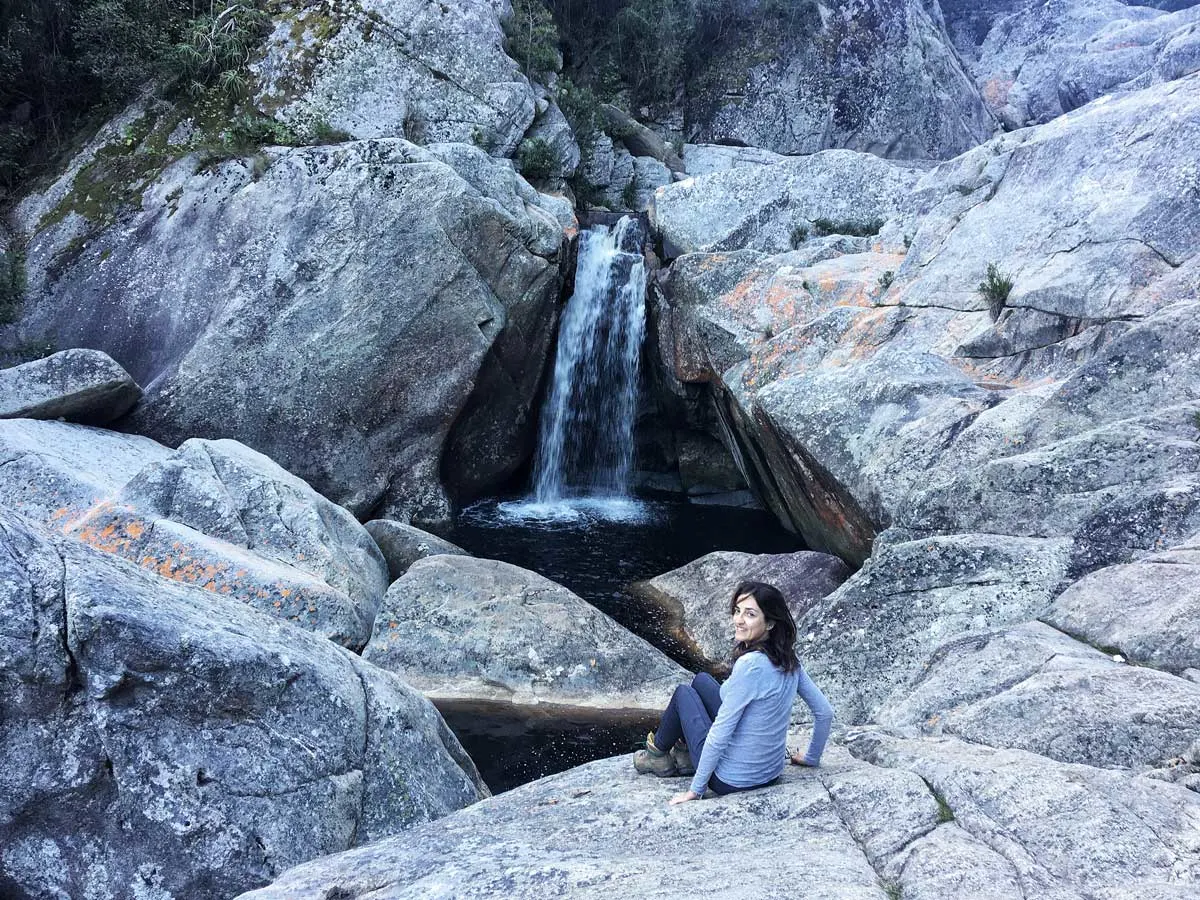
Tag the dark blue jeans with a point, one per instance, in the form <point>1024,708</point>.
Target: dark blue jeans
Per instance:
<point>689,715</point>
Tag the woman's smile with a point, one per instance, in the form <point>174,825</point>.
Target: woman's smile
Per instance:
<point>749,623</point>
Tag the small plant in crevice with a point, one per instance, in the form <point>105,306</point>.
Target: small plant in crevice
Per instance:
<point>886,279</point>
<point>324,133</point>
<point>799,235</point>
<point>1196,423</point>
<point>823,226</point>
<point>536,159</point>
<point>12,284</point>
<point>629,194</point>
<point>907,241</point>
<point>995,289</point>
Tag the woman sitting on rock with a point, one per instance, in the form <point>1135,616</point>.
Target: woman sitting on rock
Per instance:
<point>740,728</point>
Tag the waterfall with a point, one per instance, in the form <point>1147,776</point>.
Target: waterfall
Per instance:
<point>585,445</point>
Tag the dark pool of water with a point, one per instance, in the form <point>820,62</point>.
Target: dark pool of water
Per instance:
<point>512,747</point>
<point>596,550</point>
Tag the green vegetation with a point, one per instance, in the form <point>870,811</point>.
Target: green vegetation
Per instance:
<point>66,65</point>
<point>645,51</point>
<point>536,159</point>
<point>823,226</point>
<point>531,38</point>
<point>799,235</point>
<point>886,279</point>
<point>629,194</point>
<point>12,284</point>
<point>1196,423</point>
<point>995,289</point>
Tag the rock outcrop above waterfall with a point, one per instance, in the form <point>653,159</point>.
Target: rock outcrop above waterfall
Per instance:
<point>80,385</point>
<point>403,544</point>
<point>879,76</point>
<point>1033,62</point>
<point>212,513</point>
<point>775,207</point>
<point>161,740</point>
<point>986,446</point>
<point>695,597</point>
<point>893,817</point>
<point>250,313</point>
<point>424,71</point>
<point>477,630</point>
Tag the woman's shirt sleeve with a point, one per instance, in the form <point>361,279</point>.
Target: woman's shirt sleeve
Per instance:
<point>738,692</point>
<point>822,717</point>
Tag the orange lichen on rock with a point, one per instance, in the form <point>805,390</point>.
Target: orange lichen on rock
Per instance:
<point>995,91</point>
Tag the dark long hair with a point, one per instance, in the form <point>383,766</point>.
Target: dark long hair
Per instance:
<point>779,643</point>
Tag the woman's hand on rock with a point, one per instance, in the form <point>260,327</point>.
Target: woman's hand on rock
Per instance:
<point>798,759</point>
<point>684,797</point>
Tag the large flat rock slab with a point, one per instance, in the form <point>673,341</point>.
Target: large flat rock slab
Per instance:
<point>921,817</point>
<point>161,740</point>
<point>79,385</point>
<point>470,630</point>
<point>1148,610</point>
<point>695,597</point>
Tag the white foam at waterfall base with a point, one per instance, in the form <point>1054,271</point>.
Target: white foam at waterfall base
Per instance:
<point>576,510</point>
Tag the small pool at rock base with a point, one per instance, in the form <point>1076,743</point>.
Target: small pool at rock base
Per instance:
<point>595,548</point>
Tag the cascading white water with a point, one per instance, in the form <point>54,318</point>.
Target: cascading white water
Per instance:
<point>585,446</point>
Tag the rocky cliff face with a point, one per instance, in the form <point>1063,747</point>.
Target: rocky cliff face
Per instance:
<point>975,380</point>
<point>1034,61</point>
<point>879,76</point>
<point>332,307</point>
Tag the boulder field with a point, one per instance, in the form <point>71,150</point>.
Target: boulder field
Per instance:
<point>954,347</point>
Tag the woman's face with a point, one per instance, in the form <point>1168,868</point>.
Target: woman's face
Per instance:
<point>749,624</point>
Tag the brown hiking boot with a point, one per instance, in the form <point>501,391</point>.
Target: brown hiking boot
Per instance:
<point>683,759</point>
<point>653,761</point>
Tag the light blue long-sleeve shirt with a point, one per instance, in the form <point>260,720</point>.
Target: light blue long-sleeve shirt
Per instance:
<point>747,743</point>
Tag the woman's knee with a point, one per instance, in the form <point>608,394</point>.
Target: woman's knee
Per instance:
<point>702,680</point>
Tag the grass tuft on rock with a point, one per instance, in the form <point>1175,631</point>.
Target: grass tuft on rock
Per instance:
<point>995,289</point>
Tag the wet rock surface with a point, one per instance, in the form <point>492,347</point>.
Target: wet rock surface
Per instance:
<point>80,385</point>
